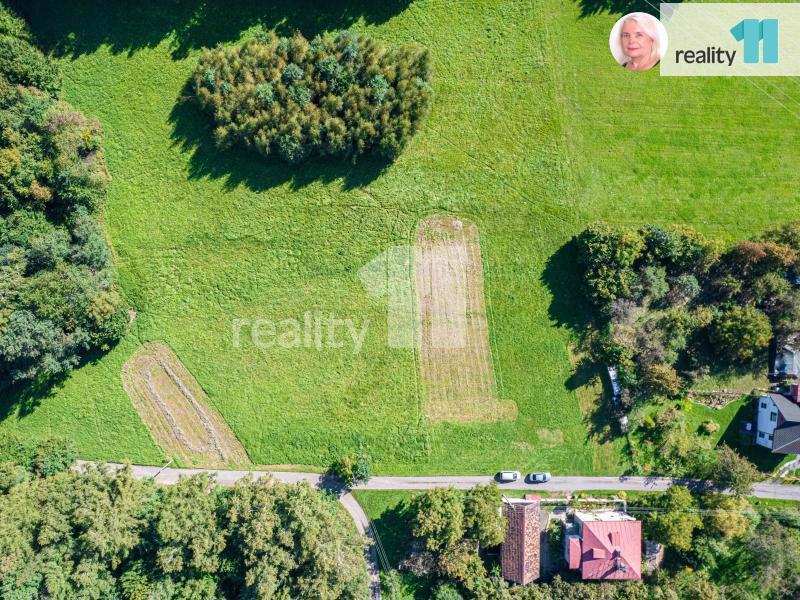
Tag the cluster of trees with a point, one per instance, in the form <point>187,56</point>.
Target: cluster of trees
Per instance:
<point>104,536</point>
<point>58,293</point>
<point>337,96</point>
<point>745,553</point>
<point>451,526</point>
<point>672,301</point>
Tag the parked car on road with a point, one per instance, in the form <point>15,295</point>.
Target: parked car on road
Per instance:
<point>507,476</point>
<point>542,477</point>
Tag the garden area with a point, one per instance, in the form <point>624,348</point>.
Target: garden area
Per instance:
<point>533,132</point>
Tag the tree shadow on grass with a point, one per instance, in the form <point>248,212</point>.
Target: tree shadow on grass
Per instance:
<point>22,399</point>
<point>569,306</point>
<point>395,532</point>
<point>76,27</point>
<point>192,133</point>
<point>743,441</point>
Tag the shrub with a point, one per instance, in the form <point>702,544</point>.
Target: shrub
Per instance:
<point>661,380</point>
<point>353,469</point>
<point>343,96</point>
<point>40,457</point>
<point>709,427</point>
<point>361,468</point>
<point>446,591</point>
<point>53,455</point>
<point>21,63</point>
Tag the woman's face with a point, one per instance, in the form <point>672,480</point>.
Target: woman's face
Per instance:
<point>635,42</point>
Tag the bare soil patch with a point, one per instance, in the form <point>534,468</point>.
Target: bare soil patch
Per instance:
<point>175,409</point>
<point>455,352</point>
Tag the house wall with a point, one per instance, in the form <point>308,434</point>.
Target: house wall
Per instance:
<point>766,425</point>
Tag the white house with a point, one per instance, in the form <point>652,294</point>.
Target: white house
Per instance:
<point>778,426</point>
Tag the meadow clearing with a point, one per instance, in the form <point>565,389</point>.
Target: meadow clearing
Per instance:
<point>534,133</point>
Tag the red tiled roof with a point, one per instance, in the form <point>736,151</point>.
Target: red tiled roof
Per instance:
<point>611,550</point>
<point>520,551</point>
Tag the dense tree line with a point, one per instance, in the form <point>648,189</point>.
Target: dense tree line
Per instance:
<point>341,95</point>
<point>58,293</point>
<point>100,536</point>
<point>673,305</point>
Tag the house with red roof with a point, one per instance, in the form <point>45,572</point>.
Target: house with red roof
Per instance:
<point>519,555</point>
<point>604,545</point>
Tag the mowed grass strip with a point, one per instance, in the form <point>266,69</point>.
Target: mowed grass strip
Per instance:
<point>456,366</point>
<point>175,410</point>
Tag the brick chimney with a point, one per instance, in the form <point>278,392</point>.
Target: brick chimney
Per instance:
<point>794,393</point>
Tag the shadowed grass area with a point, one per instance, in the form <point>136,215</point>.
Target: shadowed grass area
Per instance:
<point>534,133</point>
<point>73,28</point>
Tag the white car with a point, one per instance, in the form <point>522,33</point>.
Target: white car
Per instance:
<point>507,476</point>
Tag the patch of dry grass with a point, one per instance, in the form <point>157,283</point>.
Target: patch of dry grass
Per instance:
<point>175,409</point>
<point>455,354</point>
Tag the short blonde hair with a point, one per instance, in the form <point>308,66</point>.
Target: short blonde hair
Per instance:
<point>649,25</point>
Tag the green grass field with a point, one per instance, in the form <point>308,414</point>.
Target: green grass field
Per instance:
<point>534,133</point>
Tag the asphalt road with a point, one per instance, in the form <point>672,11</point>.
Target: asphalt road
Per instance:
<point>556,484</point>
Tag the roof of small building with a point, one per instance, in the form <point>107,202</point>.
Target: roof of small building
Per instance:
<point>786,439</point>
<point>574,552</point>
<point>611,549</point>
<point>788,408</point>
<point>603,515</point>
<point>519,556</point>
<point>787,361</point>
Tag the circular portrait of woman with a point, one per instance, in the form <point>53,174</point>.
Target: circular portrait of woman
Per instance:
<point>638,41</point>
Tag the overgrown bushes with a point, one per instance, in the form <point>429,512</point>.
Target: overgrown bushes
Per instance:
<point>58,293</point>
<point>39,457</point>
<point>338,96</point>
<point>672,304</point>
<point>352,469</point>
